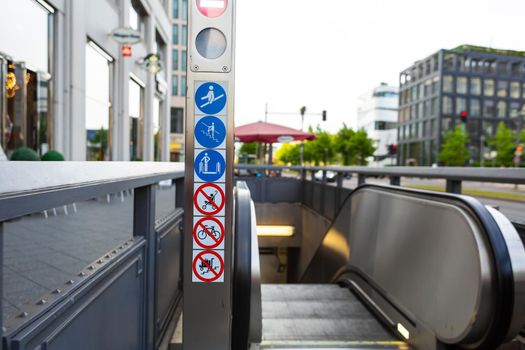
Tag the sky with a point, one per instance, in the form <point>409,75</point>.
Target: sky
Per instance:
<point>326,54</point>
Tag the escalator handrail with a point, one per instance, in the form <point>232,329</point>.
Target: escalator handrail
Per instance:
<point>246,305</point>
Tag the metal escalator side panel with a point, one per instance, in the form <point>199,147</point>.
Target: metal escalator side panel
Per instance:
<point>428,257</point>
<point>491,314</point>
<point>255,330</point>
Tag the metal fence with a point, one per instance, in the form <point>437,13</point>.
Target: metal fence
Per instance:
<point>124,299</point>
<point>313,189</point>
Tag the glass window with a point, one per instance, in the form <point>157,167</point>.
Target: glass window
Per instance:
<point>98,104</point>
<point>515,109</point>
<point>183,85</point>
<point>448,61</point>
<point>475,86</point>
<point>488,128</point>
<point>175,9</point>
<point>136,115</point>
<point>461,105</point>
<point>184,9</point>
<point>413,112</point>
<point>515,89</point>
<point>434,106</point>
<point>157,132</point>
<point>488,88</point>
<point>435,83</point>
<point>420,110</point>
<point>502,109</point>
<point>177,121</point>
<point>489,109</point>
<point>175,59</point>
<point>175,34</point>
<point>183,60</point>
<point>447,105</point>
<point>174,85</point>
<point>503,86</point>
<point>184,34</point>
<point>523,90</point>
<point>445,125</point>
<point>516,68</point>
<point>475,107</point>
<point>448,83</point>
<point>503,67</point>
<point>461,85</point>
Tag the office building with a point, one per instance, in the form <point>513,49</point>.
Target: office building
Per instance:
<point>486,85</point>
<point>179,22</point>
<point>377,114</point>
<point>69,87</point>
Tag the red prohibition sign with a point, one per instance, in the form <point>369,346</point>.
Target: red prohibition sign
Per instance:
<point>200,226</point>
<point>199,259</point>
<point>209,201</point>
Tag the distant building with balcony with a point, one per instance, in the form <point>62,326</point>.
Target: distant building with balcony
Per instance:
<point>488,84</point>
<point>377,114</point>
<point>179,22</point>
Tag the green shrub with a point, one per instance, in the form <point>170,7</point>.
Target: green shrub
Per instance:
<point>24,154</point>
<point>53,156</point>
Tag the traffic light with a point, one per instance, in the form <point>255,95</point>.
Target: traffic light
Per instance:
<point>324,116</point>
<point>463,115</point>
<point>211,35</point>
<point>392,149</point>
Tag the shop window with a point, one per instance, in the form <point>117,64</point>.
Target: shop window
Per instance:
<point>516,109</point>
<point>136,115</point>
<point>98,103</point>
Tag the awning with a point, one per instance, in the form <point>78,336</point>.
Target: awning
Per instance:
<point>269,133</point>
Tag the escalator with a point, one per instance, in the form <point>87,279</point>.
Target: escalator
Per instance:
<point>402,269</point>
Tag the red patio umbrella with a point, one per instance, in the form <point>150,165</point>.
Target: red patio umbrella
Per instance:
<point>263,132</point>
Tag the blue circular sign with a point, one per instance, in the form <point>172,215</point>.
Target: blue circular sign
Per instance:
<point>210,98</point>
<point>210,132</point>
<point>209,165</point>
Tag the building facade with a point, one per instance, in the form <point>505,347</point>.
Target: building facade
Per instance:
<point>179,22</point>
<point>486,85</point>
<point>68,86</point>
<point>377,114</point>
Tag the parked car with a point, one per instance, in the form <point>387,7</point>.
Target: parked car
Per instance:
<point>330,176</point>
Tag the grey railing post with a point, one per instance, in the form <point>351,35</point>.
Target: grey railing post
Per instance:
<point>1,283</point>
<point>144,225</point>
<point>361,179</point>
<point>454,186</point>
<point>312,175</point>
<point>323,192</point>
<point>339,183</point>
<point>303,174</point>
<point>179,192</point>
<point>395,180</point>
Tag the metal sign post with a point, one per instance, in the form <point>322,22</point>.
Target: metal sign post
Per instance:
<point>209,176</point>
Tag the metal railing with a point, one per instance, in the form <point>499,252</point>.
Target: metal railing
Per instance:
<point>132,289</point>
<point>454,177</point>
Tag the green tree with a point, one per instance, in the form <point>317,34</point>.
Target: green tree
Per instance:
<point>342,144</point>
<point>454,151</point>
<point>248,148</point>
<point>289,153</point>
<point>361,147</point>
<point>320,150</point>
<point>522,135</point>
<point>504,144</point>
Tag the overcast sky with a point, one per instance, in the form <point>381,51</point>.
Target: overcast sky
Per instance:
<point>325,54</point>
